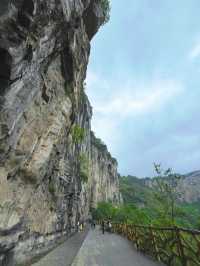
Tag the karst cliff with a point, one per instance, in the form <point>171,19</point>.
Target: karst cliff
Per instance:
<point>53,169</point>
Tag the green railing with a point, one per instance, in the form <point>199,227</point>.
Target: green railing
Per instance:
<point>173,246</point>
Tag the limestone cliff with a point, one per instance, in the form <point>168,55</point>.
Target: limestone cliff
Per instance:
<point>51,169</point>
<point>140,191</point>
<point>189,187</point>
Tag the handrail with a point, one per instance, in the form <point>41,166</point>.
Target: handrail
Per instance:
<point>192,231</point>
<point>173,246</point>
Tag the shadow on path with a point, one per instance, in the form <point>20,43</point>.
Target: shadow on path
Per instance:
<point>64,254</point>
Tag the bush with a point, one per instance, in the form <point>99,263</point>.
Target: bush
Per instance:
<point>84,177</point>
<point>104,210</point>
<point>128,213</point>
<point>98,143</point>
<point>51,188</point>
<point>101,146</point>
<point>84,168</point>
<point>78,134</point>
<point>105,4</point>
<point>68,89</point>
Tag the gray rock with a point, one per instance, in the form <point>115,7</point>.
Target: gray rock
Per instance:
<point>44,52</point>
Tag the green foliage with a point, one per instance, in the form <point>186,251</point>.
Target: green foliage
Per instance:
<point>190,215</point>
<point>166,193</point>
<point>104,210</point>
<point>78,134</point>
<point>84,167</point>
<point>187,215</point>
<point>101,146</point>
<point>123,214</point>
<point>51,188</point>
<point>158,198</point>
<point>98,143</point>
<point>134,191</point>
<point>131,214</point>
<point>105,4</point>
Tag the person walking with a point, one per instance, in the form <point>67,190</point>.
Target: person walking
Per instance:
<point>110,226</point>
<point>103,227</point>
<point>93,224</point>
<point>81,227</point>
<point>78,226</point>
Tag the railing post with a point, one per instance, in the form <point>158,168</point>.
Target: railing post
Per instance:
<point>178,244</point>
<point>136,238</point>
<point>154,244</point>
<point>180,247</point>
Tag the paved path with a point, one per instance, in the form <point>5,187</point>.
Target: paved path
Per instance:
<point>109,250</point>
<point>64,254</point>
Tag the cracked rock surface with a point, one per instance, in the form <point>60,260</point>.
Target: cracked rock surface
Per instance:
<point>44,52</point>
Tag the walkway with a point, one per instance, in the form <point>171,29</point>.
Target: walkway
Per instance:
<point>109,250</point>
<point>64,254</point>
<point>96,250</point>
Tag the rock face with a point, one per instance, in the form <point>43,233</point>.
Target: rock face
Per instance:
<point>190,187</point>
<point>51,169</point>
<point>140,191</point>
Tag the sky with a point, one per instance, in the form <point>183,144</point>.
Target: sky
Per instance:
<point>143,82</point>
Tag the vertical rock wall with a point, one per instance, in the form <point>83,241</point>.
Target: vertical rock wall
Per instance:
<point>51,170</point>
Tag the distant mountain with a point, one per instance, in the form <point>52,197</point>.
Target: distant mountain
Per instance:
<point>135,190</point>
<point>140,190</point>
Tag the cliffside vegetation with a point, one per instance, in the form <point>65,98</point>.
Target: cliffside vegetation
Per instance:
<point>101,146</point>
<point>78,134</point>
<point>106,9</point>
<point>157,204</point>
<point>84,167</point>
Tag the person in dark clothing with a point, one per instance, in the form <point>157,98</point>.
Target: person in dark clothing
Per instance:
<point>93,224</point>
<point>107,226</point>
<point>103,226</point>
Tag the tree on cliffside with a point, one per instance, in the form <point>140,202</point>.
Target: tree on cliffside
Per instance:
<point>106,9</point>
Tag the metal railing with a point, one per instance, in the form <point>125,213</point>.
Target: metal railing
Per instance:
<point>173,246</point>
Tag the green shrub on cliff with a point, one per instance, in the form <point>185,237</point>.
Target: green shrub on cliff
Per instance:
<point>101,146</point>
<point>84,167</point>
<point>51,188</point>
<point>98,143</point>
<point>106,9</point>
<point>78,134</point>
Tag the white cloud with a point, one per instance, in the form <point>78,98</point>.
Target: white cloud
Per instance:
<point>195,51</point>
<point>132,99</point>
<point>114,102</point>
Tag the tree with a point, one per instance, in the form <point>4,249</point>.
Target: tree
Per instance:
<point>104,210</point>
<point>166,193</point>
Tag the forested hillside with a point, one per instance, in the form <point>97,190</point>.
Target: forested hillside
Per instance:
<point>158,201</point>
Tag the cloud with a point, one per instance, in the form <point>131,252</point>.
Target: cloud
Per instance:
<point>141,109</point>
<point>132,98</point>
<point>195,51</point>
<point>123,111</point>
